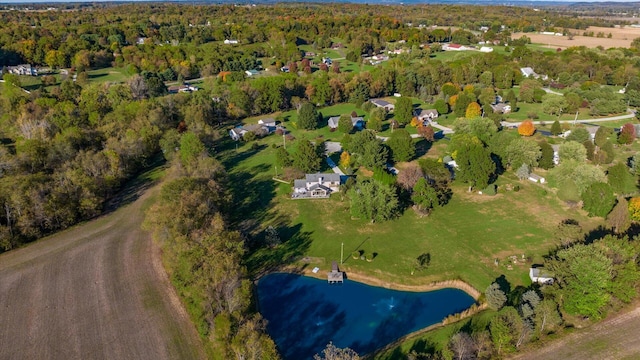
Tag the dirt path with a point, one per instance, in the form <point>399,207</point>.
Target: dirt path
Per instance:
<point>614,338</point>
<point>96,291</point>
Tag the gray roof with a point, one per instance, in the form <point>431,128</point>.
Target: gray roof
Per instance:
<point>300,184</point>
<point>333,121</point>
<point>318,186</point>
<point>331,177</point>
<point>527,71</point>
<point>428,112</point>
<point>380,102</point>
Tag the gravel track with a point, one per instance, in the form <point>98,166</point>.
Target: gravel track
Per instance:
<point>96,291</point>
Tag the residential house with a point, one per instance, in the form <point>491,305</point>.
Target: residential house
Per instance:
<point>556,153</point>
<point>501,108</point>
<point>251,72</point>
<point>528,72</point>
<point>285,69</point>
<point>23,69</point>
<point>486,49</point>
<point>456,47</point>
<point>356,121</point>
<point>185,88</point>
<point>309,54</point>
<point>383,104</point>
<point>592,132</point>
<point>316,186</point>
<point>260,129</point>
<point>231,41</point>
<point>426,115</point>
<point>540,276</point>
<point>327,61</point>
<point>141,40</point>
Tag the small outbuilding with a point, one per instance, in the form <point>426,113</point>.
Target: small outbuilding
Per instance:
<point>536,178</point>
<point>541,276</point>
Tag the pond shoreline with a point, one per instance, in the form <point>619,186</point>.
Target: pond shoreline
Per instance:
<point>370,280</point>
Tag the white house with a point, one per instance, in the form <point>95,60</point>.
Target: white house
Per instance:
<point>540,276</point>
<point>24,69</point>
<point>231,41</point>
<point>528,72</point>
<point>426,115</point>
<point>251,72</point>
<point>486,49</point>
<point>316,186</point>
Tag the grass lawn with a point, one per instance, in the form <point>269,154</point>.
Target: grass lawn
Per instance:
<point>110,74</point>
<point>463,238</point>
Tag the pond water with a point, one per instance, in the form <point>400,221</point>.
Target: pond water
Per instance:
<point>304,313</point>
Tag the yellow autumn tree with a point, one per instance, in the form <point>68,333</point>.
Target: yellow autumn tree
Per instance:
<point>345,159</point>
<point>415,122</point>
<point>526,128</point>
<point>634,208</point>
<point>473,110</point>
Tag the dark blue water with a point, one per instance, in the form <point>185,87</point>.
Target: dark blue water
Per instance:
<point>304,313</point>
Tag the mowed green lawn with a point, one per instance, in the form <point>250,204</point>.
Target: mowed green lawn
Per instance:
<point>463,238</point>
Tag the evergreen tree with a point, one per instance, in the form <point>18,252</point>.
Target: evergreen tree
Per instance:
<point>475,165</point>
<point>307,157</point>
<point>546,155</point>
<point>403,111</point>
<point>345,125</point>
<point>598,199</point>
<point>307,117</point>
<point>401,145</point>
<point>556,129</point>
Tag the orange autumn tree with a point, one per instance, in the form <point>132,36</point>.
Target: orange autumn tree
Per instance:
<point>634,208</point>
<point>526,128</point>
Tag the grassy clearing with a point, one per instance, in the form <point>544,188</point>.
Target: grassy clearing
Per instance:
<point>110,74</point>
<point>463,237</point>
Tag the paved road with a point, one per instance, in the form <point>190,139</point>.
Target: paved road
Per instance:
<point>631,114</point>
<point>334,167</point>
<point>96,291</point>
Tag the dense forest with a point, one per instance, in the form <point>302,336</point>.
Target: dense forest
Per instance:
<point>68,146</point>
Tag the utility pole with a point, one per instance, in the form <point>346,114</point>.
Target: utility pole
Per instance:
<point>284,140</point>
<point>341,252</point>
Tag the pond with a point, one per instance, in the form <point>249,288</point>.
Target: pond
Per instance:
<point>305,313</point>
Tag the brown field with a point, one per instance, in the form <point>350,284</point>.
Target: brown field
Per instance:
<point>96,291</point>
<point>620,37</point>
<point>616,338</point>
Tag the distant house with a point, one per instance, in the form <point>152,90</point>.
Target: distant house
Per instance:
<point>486,49</point>
<point>141,40</point>
<point>260,129</point>
<point>185,88</point>
<point>24,69</point>
<point>501,108</point>
<point>251,72</point>
<point>285,69</point>
<point>456,47</point>
<point>540,276</point>
<point>426,115</point>
<point>309,54</point>
<point>327,61</point>
<point>356,121</point>
<point>231,41</point>
<point>528,72</point>
<point>536,178</point>
<point>556,153</point>
<point>592,132</point>
<point>383,104</point>
<point>316,186</point>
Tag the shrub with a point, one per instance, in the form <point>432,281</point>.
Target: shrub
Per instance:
<point>490,190</point>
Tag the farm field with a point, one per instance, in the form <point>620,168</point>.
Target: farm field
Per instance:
<point>97,290</point>
<point>620,37</point>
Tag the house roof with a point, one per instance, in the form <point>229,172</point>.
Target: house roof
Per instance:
<point>330,177</point>
<point>428,112</point>
<point>300,184</point>
<point>535,176</point>
<point>527,71</point>
<point>540,272</point>
<point>253,127</point>
<point>318,186</point>
<point>380,102</point>
<point>333,121</point>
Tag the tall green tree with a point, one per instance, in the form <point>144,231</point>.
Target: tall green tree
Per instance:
<point>424,196</point>
<point>307,157</point>
<point>345,125</point>
<point>307,117</point>
<point>583,273</point>
<point>475,165</point>
<point>403,111</point>
<point>598,199</point>
<point>373,200</point>
<point>401,145</point>
<point>621,179</point>
<point>521,151</point>
<point>546,155</point>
